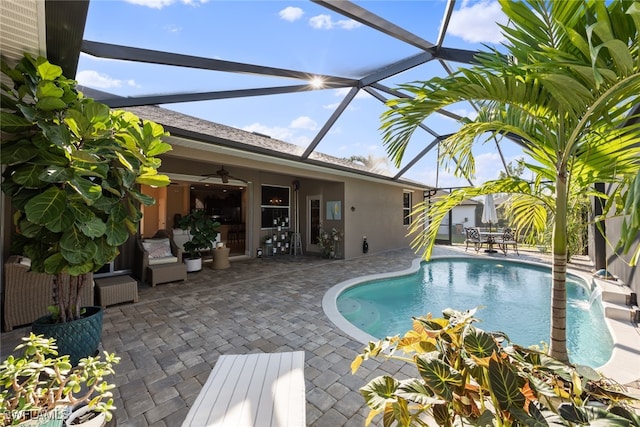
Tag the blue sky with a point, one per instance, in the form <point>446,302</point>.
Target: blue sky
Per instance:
<point>298,35</point>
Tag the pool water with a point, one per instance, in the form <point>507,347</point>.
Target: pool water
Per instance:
<point>514,298</point>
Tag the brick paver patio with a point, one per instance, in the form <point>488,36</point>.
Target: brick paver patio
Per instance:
<point>170,340</point>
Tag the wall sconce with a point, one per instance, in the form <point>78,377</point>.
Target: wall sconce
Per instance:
<point>353,208</point>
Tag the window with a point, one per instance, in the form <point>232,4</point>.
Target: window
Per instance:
<point>406,208</point>
<point>275,206</point>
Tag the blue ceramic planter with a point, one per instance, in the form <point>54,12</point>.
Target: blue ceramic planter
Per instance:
<point>78,338</point>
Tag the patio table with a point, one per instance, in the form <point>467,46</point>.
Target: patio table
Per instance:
<point>490,236</point>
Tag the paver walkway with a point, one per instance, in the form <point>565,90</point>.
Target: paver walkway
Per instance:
<point>170,340</point>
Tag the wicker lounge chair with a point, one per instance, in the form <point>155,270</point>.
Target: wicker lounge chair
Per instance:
<point>27,295</point>
<point>159,260</point>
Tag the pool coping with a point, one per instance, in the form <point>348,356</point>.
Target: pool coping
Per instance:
<point>625,336</point>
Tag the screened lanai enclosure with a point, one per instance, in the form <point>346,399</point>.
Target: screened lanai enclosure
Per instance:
<point>314,75</point>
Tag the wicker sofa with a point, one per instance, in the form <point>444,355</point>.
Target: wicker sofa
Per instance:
<point>26,295</point>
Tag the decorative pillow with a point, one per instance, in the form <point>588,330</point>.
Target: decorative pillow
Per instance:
<point>157,248</point>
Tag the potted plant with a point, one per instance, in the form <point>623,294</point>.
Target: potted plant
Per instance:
<point>329,242</point>
<point>72,169</point>
<point>203,232</point>
<point>468,376</point>
<point>39,388</point>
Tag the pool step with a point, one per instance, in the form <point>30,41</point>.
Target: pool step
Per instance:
<point>618,301</point>
<point>621,312</point>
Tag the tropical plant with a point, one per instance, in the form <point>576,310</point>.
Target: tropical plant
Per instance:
<point>40,382</point>
<point>72,168</point>
<point>470,376</point>
<point>329,241</point>
<point>631,221</point>
<point>566,91</point>
<point>202,231</point>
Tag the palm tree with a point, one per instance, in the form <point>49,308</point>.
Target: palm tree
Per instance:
<point>565,91</point>
<point>374,164</point>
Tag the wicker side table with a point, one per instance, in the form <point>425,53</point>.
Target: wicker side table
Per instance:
<point>116,289</point>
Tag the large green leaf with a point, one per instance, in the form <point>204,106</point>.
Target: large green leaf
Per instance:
<point>48,209</point>
<point>504,385</point>
<point>16,152</point>
<point>116,231</point>
<point>59,135</point>
<point>105,252</point>
<point>54,264</point>
<point>479,343</point>
<point>49,103</point>
<point>28,176</point>
<point>10,122</point>
<point>89,191</point>
<point>93,228</point>
<point>76,247</point>
<point>48,71</point>
<point>441,378</point>
<point>48,89</point>
<point>380,391</point>
<point>415,390</point>
<point>55,174</point>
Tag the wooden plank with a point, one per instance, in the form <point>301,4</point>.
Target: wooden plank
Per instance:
<point>253,390</point>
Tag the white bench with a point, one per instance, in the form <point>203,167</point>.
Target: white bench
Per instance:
<point>256,390</point>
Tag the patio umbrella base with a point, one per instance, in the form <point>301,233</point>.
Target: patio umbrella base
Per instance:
<point>490,251</point>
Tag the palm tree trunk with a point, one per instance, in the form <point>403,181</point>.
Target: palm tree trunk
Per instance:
<point>558,345</point>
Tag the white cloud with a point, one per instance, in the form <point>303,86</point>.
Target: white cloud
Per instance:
<point>291,13</point>
<point>172,28</point>
<point>304,122</point>
<point>283,134</point>
<point>348,24</point>
<point>159,4</point>
<point>321,22</point>
<point>324,22</point>
<point>476,22</point>
<point>331,106</point>
<point>302,141</point>
<point>98,80</point>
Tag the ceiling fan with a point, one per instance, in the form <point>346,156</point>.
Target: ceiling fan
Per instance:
<point>223,174</point>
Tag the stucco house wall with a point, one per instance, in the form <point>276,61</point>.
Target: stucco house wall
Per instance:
<point>377,213</point>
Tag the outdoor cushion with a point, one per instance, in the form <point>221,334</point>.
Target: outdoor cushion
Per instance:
<point>163,260</point>
<point>157,248</point>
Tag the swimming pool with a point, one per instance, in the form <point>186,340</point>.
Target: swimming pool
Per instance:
<point>515,296</point>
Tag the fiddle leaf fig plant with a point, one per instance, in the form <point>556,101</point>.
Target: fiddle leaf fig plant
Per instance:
<point>468,376</point>
<point>202,229</point>
<point>72,168</point>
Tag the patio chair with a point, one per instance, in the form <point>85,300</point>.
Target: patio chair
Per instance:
<point>473,237</point>
<point>252,390</point>
<point>159,259</point>
<point>509,237</point>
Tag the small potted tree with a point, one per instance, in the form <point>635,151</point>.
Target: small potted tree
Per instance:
<point>72,168</point>
<point>40,388</point>
<point>203,232</point>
